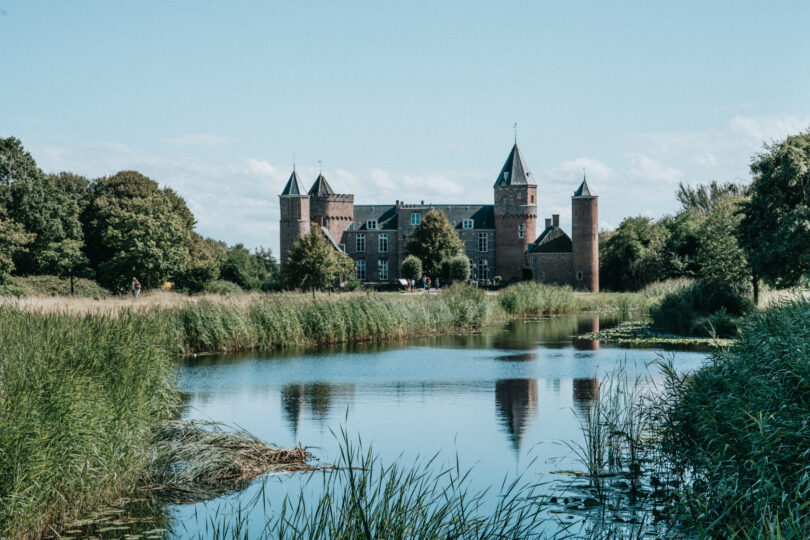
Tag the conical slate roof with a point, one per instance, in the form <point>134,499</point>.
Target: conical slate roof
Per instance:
<point>515,171</point>
<point>321,187</point>
<point>583,190</point>
<point>293,186</point>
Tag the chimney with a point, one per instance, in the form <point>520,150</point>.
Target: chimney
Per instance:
<point>423,203</point>
<point>548,222</point>
<point>555,220</point>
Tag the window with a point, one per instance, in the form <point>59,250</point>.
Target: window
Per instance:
<point>371,224</point>
<point>483,244</point>
<point>416,219</point>
<point>521,231</point>
<point>361,269</point>
<point>382,270</point>
<point>383,244</point>
<point>579,275</point>
<point>360,246</point>
<point>520,195</point>
<point>483,269</point>
<point>503,200</point>
<point>531,198</point>
<point>343,248</point>
<point>467,224</point>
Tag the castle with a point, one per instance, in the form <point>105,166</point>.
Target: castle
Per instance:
<point>499,239</point>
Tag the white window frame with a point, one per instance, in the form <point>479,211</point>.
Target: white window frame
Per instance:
<point>521,231</point>
<point>483,242</point>
<point>382,243</point>
<point>483,269</point>
<point>467,224</point>
<point>382,270</point>
<point>360,243</point>
<point>371,224</point>
<point>416,218</point>
<point>360,269</point>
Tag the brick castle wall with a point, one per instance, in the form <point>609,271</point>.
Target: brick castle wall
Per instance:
<point>294,223</point>
<point>514,206</point>
<point>585,237</point>
<point>334,212</point>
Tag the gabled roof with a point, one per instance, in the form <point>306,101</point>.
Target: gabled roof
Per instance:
<point>515,171</point>
<point>293,186</point>
<point>552,240</point>
<point>321,187</point>
<point>384,214</point>
<point>583,190</point>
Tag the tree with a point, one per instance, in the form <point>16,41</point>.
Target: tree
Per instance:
<point>134,228</point>
<point>682,243</point>
<point>433,241</point>
<point>458,268</point>
<point>412,268</point>
<point>632,257</point>
<point>775,228</point>
<point>314,264</point>
<point>15,163</point>
<point>704,197</point>
<point>721,259</point>
<point>206,262</point>
<point>13,239</point>
<point>251,271</point>
<point>75,186</point>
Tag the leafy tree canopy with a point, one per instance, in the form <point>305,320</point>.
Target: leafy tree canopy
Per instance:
<point>315,264</point>
<point>412,268</point>
<point>204,267</point>
<point>775,229</point>
<point>704,197</point>
<point>134,228</point>
<point>721,258</point>
<point>251,271</point>
<point>631,258</point>
<point>433,241</point>
<point>458,268</point>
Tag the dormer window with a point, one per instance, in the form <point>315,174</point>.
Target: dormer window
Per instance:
<point>467,224</point>
<point>505,176</point>
<point>371,224</point>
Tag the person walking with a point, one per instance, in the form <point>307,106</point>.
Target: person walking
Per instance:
<point>438,286</point>
<point>424,281</point>
<point>135,287</point>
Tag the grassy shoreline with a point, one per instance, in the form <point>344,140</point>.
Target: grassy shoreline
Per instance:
<point>86,383</point>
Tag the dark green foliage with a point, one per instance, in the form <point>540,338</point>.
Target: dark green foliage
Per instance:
<point>738,430</point>
<point>53,286</point>
<point>75,186</point>
<point>15,163</point>
<point>775,230</point>
<point>412,268</point>
<point>207,259</point>
<point>682,244</point>
<point>251,271</point>
<point>315,264</point>
<point>632,255</point>
<point>704,197</point>
<point>458,269</point>
<point>134,228</point>
<point>722,262</point>
<point>78,401</point>
<point>433,241</point>
<point>13,240</point>
<point>695,308</point>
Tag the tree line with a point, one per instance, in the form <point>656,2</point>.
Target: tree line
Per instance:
<point>111,229</point>
<point>726,234</point>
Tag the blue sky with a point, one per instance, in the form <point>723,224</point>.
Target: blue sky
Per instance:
<point>408,100</point>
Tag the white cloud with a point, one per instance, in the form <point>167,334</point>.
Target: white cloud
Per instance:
<point>769,128</point>
<point>260,168</point>
<point>649,170</point>
<point>200,139</point>
<point>573,169</point>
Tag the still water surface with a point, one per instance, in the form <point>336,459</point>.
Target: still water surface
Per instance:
<point>503,401</point>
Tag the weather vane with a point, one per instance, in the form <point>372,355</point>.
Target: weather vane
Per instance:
<point>515,128</point>
<point>320,167</point>
<point>293,156</point>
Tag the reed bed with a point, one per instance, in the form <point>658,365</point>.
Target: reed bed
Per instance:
<point>360,497</point>
<point>79,397</point>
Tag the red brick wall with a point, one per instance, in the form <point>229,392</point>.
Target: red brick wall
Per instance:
<point>294,224</point>
<point>514,206</point>
<point>554,268</point>
<point>585,237</point>
<point>335,212</point>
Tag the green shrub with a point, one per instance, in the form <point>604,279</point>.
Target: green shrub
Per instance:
<point>412,268</point>
<point>702,308</point>
<point>222,287</point>
<point>458,269</point>
<point>738,430</point>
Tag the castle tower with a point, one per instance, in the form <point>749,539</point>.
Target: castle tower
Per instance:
<point>330,210</point>
<point>515,216</point>
<point>294,205</point>
<point>585,233</point>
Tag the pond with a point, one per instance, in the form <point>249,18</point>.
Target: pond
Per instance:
<point>503,401</point>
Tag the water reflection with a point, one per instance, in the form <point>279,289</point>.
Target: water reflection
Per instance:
<point>586,393</point>
<point>317,398</point>
<point>516,401</point>
<point>584,326</point>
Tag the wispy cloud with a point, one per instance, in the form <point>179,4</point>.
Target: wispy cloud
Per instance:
<point>200,139</point>
<point>648,170</point>
<point>769,128</point>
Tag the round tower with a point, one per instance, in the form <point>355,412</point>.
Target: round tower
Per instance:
<point>330,210</point>
<point>515,216</point>
<point>585,237</point>
<point>294,209</point>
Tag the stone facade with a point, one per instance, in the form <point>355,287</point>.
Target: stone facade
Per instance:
<point>499,239</point>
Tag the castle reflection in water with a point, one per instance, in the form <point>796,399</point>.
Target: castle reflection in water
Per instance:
<point>516,400</point>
